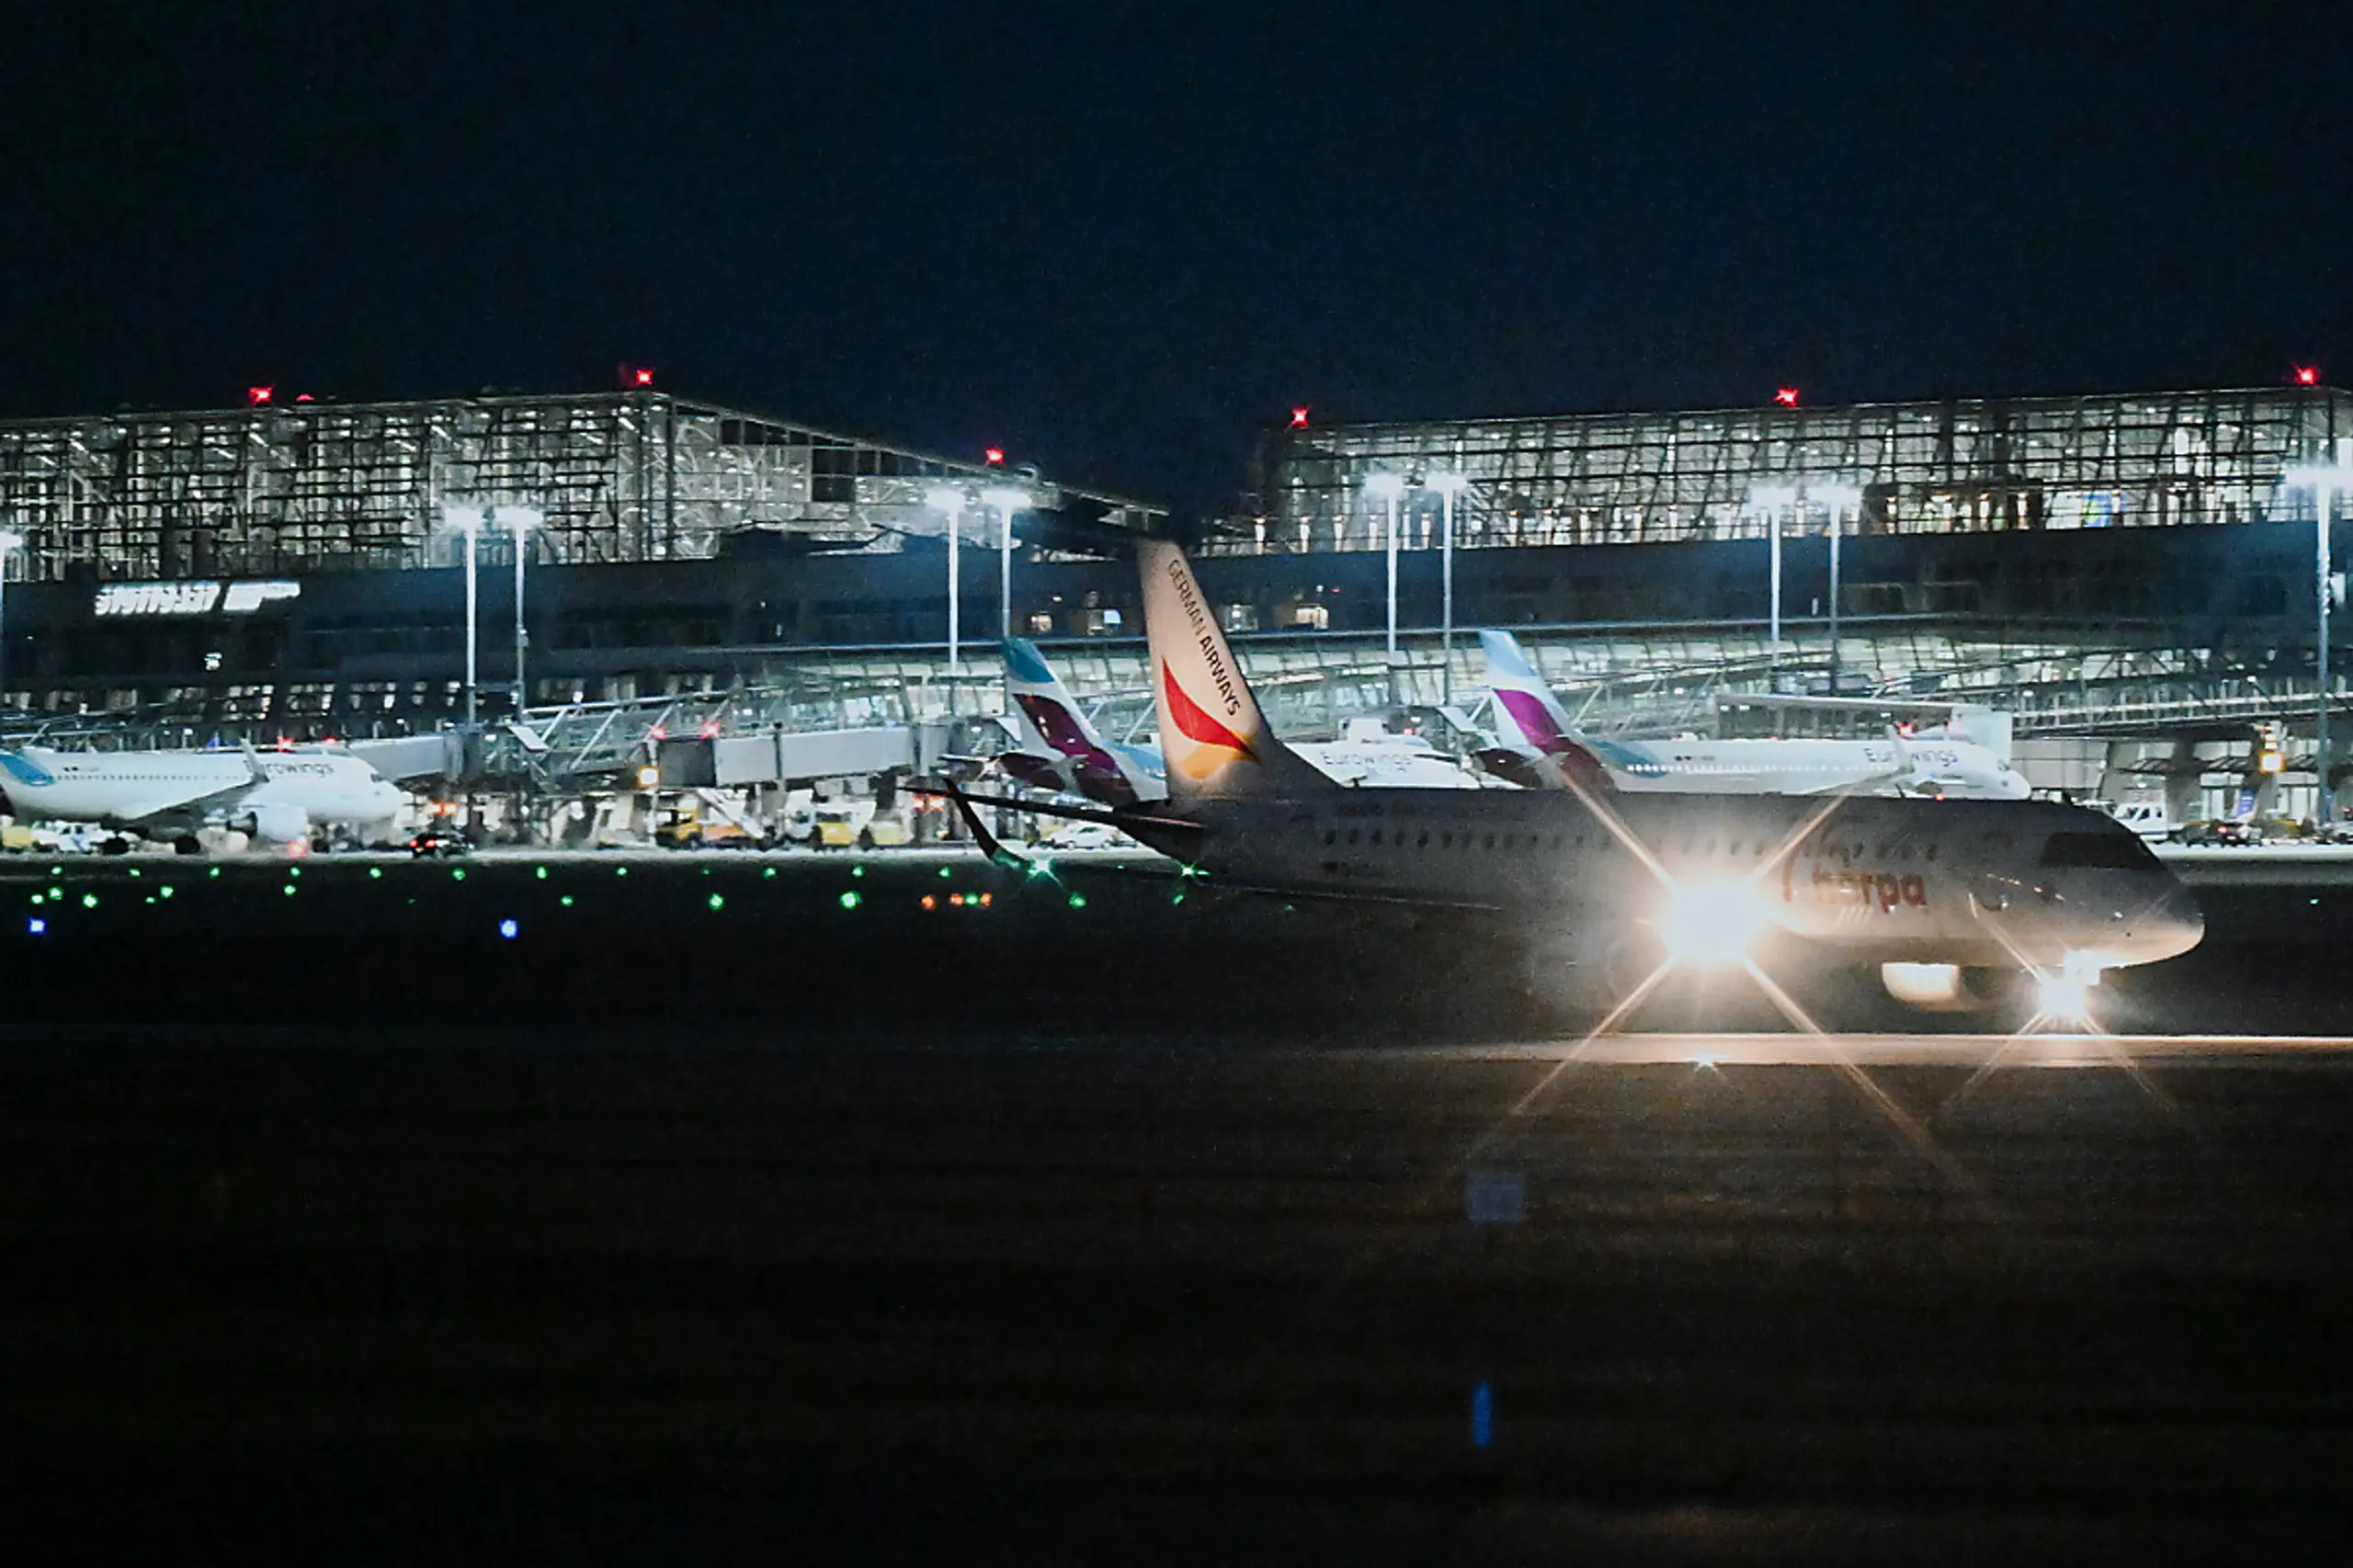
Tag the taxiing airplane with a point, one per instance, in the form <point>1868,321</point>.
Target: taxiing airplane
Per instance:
<point>171,795</point>
<point>1615,890</point>
<point>1540,746</point>
<point>1062,750</point>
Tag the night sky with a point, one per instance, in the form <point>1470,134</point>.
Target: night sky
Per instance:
<point>1118,240</point>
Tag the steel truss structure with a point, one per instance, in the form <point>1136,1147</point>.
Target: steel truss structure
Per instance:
<point>1967,465</point>
<point>291,489</point>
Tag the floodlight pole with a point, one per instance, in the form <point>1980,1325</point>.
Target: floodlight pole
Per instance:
<point>1008,501</point>
<point>10,542</point>
<point>521,520</point>
<point>1447,485</point>
<point>1837,526</point>
<point>522,637</point>
<point>473,609</point>
<point>949,502</point>
<point>1836,500</point>
<point>1392,575</point>
<point>2323,802</point>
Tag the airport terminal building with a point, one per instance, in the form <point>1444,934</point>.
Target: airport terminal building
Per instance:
<point>2116,565</point>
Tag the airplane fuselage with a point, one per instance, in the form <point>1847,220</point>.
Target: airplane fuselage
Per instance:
<point>178,791</point>
<point>1997,884</point>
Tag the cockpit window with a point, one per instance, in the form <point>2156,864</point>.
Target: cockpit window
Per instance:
<point>2098,851</point>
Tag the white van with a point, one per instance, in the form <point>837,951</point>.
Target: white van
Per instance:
<point>2148,818</point>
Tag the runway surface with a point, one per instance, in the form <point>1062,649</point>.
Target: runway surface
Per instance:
<point>334,1217</point>
<point>2044,1046</point>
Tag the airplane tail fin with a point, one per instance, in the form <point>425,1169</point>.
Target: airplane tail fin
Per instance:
<point>1216,742</point>
<point>1526,705</point>
<point>1052,724</point>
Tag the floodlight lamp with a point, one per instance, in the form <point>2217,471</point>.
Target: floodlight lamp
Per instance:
<point>1006,499</point>
<point>1839,496</point>
<point>943,498</point>
<point>521,519</point>
<point>2319,476</point>
<point>1386,486</point>
<point>465,519</point>
<point>1770,495</point>
<point>1446,481</point>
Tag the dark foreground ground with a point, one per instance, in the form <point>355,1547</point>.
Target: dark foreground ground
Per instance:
<point>943,1239</point>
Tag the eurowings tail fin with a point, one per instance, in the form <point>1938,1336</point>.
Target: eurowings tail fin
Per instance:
<point>1051,724</point>
<point>1527,711</point>
<point>1217,742</point>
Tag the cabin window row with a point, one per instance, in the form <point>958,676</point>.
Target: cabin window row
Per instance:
<point>1447,838</point>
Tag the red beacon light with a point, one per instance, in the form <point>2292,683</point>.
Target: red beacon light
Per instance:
<point>642,376</point>
<point>1786,396</point>
<point>994,456</point>
<point>709,728</point>
<point>256,396</point>
<point>658,732</point>
<point>2308,375</point>
<point>1299,417</point>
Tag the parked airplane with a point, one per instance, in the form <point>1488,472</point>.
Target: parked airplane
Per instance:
<point>1062,750</point>
<point>1540,744</point>
<point>171,795</point>
<point>1616,890</point>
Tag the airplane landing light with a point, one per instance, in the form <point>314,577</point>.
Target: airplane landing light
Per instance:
<point>1713,923</point>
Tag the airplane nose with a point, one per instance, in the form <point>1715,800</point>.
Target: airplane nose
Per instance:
<point>2173,927</point>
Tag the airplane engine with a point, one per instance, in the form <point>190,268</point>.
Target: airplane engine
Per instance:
<point>279,825</point>
<point>1939,987</point>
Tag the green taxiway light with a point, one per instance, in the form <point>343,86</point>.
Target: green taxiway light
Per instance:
<point>456,873</point>
<point>166,889</point>
<point>37,898</point>
<point>769,872</point>
<point>56,894</point>
<point>215,872</point>
<point>293,871</point>
<point>375,873</point>
<point>151,898</point>
<point>134,871</point>
<point>717,902</point>
<point>290,890</point>
<point>854,870</point>
<point>1078,901</point>
<point>567,900</point>
<point>621,870</point>
<point>89,900</point>
<point>541,873</point>
<point>851,899</point>
<point>943,870</point>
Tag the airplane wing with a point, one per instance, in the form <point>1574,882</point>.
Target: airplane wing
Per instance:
<point>190,810</point>
<point>997,853</point>
<point>1112,816</point>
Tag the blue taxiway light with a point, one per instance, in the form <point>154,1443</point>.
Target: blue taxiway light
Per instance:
<point>508,928</point>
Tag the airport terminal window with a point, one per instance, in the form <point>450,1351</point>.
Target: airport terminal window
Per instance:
<point>2097,851</point>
